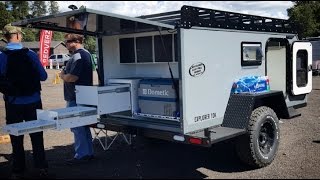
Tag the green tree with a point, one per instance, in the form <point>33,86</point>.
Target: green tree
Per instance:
<point>57,36</point>
<point>39,8</point>
<point>6,16</point>
<point>305,15</point>
<point>30,35</point>
<point>90,44</point>
<point>53,7</point>
<point>20,9</point>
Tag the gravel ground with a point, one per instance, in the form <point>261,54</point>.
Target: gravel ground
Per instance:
<point>298,155</point>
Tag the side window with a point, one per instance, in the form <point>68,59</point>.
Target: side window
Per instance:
<point>251,53</point>
<point>59,56</point>
<point>127,54</point>
<point>302,68</point>
<point>144,49</point>
<point>148,49</point>
<point>52,57</point>
<point>163,48</point>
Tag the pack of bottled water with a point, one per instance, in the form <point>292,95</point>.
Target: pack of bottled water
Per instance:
<point>251,84</point>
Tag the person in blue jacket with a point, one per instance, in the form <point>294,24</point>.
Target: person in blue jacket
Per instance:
<point>24,71</point>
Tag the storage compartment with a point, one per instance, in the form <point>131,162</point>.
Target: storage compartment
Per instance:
<point>134,85</point>
<point>108,99</point>
<point>56,119</point>
<point>158,97</point>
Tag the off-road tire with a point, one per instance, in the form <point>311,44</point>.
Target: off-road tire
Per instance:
<point>263,131</point>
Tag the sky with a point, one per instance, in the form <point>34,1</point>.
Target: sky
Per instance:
<point>273,9</point>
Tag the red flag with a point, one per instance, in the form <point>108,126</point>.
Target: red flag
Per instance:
<point>45,40</point>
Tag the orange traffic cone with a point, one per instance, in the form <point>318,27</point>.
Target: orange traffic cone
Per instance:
<point>56,79</point>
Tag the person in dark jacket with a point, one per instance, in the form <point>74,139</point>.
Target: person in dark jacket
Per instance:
<point>24,71</point>
<point>78,71</point>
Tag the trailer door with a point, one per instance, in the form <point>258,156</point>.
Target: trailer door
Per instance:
<point>301,68</point>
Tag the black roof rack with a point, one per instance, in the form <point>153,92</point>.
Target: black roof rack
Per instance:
<point>190,16</point>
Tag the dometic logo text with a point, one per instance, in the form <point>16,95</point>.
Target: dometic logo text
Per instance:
<point>154,92</point>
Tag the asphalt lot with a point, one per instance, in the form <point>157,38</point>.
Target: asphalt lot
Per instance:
<point>298,155</point>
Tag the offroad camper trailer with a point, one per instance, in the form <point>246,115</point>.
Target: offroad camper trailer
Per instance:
<point>170,76</point>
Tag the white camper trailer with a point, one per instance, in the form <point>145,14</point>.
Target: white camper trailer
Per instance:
<point>170,76</point>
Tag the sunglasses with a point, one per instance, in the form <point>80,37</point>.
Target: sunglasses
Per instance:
<point>69,41</point>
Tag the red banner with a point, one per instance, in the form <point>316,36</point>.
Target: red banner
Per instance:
<point>45,40</point>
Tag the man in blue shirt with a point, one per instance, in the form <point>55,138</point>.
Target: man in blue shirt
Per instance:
<point>23,69</point>
<point>78,71</point>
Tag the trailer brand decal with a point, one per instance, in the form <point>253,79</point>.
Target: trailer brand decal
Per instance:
<point>205,117</point>
<point>197,69</point>
<point>154,92</point>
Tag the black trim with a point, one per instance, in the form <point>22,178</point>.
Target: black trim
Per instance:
<point>250,63</point>
<point>55,27</point>
<point>152,133</point>
<point>178,35</point>
<point>240,107</point>
<point>100,52</point>
<point>300,105</point>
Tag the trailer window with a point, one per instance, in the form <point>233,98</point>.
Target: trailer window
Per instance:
<point>144,49</point>
<point>163,50</point>
<point>127,54</point>
<point>302,68</point>
<point>251,54</point>
<point>148,49</point>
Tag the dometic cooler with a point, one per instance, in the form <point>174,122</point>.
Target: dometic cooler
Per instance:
<point>158,97</point>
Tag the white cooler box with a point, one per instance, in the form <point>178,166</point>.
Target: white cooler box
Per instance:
<point>56,119</point>
<point>108,99</point>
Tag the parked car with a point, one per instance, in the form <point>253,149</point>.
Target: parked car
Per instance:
<point>59,58</point>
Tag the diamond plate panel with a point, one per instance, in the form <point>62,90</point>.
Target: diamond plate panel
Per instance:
<point>238,111</point>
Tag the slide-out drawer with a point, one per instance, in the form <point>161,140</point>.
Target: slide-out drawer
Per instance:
<point>56,119</point>
<point>108,99</point>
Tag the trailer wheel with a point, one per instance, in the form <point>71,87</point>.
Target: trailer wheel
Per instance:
<point>259,146</point>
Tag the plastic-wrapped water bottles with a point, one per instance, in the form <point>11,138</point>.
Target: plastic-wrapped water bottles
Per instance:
<point>251,84</point>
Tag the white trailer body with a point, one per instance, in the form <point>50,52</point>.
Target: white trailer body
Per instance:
<point>221,70</point>
<point>206,51</point>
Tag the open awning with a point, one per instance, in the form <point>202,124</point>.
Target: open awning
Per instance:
<point>93,22</point>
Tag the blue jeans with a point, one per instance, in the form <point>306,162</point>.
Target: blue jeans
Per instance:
<point>82,138</point>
